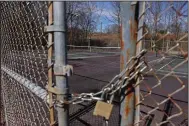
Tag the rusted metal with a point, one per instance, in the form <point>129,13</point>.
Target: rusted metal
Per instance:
<point>122,47</point>
<point>140,36</point>
<point>50,72</point>
<point>131,45</point>
<point>128,49</point>
<point>129,96</point>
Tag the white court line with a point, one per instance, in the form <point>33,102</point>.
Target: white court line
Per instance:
<point>174,72</point>
<point>161,59</point>
<point>92,53</point>
<point>179,74</point>
<point>95,47</point>
<point>86,57</point>
<point>81,53</point>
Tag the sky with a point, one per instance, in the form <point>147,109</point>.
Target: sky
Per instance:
<point>105,11</point>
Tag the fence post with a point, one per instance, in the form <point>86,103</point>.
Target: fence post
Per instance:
<point>59,13</point>
<point>140,18</point>
<point>50,69</point>
<point>131,44</point>
<point>128,49</point>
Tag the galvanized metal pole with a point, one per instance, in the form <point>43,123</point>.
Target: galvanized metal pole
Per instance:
<point>59,11</point>
<point>128,49</point>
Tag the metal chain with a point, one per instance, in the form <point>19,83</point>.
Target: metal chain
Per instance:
<point>119,82</point>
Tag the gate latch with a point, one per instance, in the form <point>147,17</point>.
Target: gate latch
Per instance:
<point>63,70</point>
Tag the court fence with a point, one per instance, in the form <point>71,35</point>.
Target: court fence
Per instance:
<point>35,70</point>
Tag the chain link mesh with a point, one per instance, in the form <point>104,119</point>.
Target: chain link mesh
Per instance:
<point>164,89</point>
<point>23,51</point>
<point>22,106</point>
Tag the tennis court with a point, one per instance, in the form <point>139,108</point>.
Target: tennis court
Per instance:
<point>39,48</point>
<point>172,61</point>
<point>93,70</point>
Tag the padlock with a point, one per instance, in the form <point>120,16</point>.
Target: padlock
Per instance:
<point>103,109</point>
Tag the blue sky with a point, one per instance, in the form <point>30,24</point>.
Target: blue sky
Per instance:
<point>105,10</point>
<point>104,14</point>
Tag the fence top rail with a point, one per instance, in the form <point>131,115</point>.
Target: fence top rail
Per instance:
<point>170,41</point>
<point>95,47</point>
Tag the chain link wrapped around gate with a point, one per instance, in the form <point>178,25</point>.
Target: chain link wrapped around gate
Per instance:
<point>24,69</point>
<point>119,82</point>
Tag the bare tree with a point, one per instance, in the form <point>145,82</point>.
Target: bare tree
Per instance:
<point>113,28</point>
<point>178,13</point>
<point>164,17</point>
<point>80,21</point>
<point>71,16</point>
<point>115,16</point>
<point>158,19</point>
<point>153,16</point>
<point>115,13</point>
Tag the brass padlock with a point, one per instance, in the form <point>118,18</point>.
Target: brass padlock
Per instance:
<point>103,109</point>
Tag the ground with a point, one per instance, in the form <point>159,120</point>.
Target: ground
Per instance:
<point>94,70</point>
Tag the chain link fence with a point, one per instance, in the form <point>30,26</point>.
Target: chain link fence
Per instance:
<point>24,63</point>
<point>164,89</point>
<point>24,68</point>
